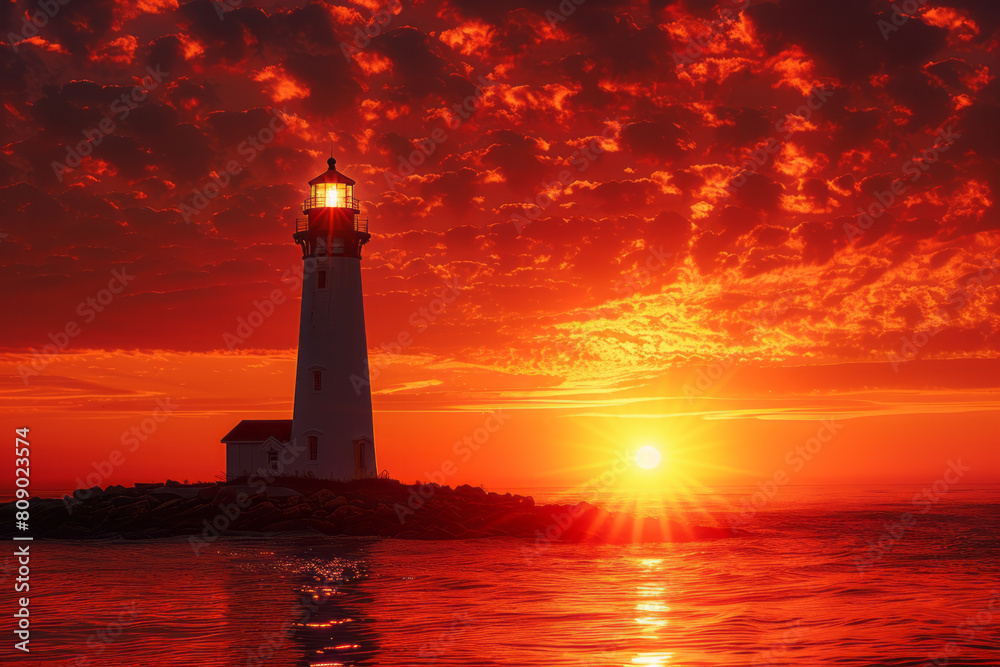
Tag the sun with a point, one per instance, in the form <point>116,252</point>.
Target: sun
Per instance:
<point>648,457</point>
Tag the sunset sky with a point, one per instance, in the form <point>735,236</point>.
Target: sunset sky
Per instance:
<point>644,222</point>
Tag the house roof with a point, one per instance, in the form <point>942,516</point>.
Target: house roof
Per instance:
<point>259,430</point>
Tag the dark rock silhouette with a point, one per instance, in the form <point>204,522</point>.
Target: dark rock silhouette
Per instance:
<point>375,507</point>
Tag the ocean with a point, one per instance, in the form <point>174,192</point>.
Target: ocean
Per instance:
<point>824,576</point>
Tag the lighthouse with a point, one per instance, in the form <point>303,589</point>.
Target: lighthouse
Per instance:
<point>330,435</point>
<point>333,414</point>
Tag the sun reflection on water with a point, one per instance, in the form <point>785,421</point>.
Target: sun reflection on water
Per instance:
<point>652,602</point>
<point>652,658</point>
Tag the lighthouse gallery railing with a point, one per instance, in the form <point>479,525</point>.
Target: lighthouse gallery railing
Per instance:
<point>360,224</point>
<point>320,201</point>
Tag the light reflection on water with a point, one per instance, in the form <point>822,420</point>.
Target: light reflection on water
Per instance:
<point>788,596</point>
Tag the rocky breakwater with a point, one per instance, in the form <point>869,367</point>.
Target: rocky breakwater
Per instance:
<point>382,508</point>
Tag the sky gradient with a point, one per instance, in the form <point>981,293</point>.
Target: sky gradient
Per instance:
<point>706,227</point>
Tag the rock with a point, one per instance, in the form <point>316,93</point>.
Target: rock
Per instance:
<point>96,518</point>
<point>87,494</point>
<point>324,527</point>
<point>361,527</point>
<point>166,512</point>
<point>259,516</point>
<point>226,495</point>
<point>192,510</point>
<point>49,516</point>
<point>455,530</point>
<point>274,492</point>
<point>471,491</point>
<point>148,487</point>
<point>523,523</point>
<point>116,490</point>
<point>321,497</point>
<point>125,513</point>
<point>331,505</point>
<point>265,506</point>
<point>122,501</point>
<point>346,512</point>
<point>157,500</point>
<point>296,511</point>
<point>209,492</point>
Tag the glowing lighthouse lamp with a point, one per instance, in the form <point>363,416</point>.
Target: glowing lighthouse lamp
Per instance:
<point>333,404</point>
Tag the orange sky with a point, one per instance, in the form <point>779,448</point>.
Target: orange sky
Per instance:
<point>634,197</point>
<point>553,432</point>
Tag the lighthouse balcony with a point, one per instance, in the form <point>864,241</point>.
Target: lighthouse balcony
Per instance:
<point>328,200</point>
<point>302,224</point>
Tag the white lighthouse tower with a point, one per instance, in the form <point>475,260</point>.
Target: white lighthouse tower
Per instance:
<point>330,435</point>
<point>332,418</point>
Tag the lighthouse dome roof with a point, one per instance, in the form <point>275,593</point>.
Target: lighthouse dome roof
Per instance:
<point>331,175</point>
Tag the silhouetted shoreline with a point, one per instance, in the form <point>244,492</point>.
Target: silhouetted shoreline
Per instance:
<point>362,508</point>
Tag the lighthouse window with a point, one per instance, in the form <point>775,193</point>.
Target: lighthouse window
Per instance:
<point>321,279</point>
<point>317,380</point>
<point>313,447</point>
<point>331,195</point>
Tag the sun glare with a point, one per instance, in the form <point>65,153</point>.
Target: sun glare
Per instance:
<point>648,457</point>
